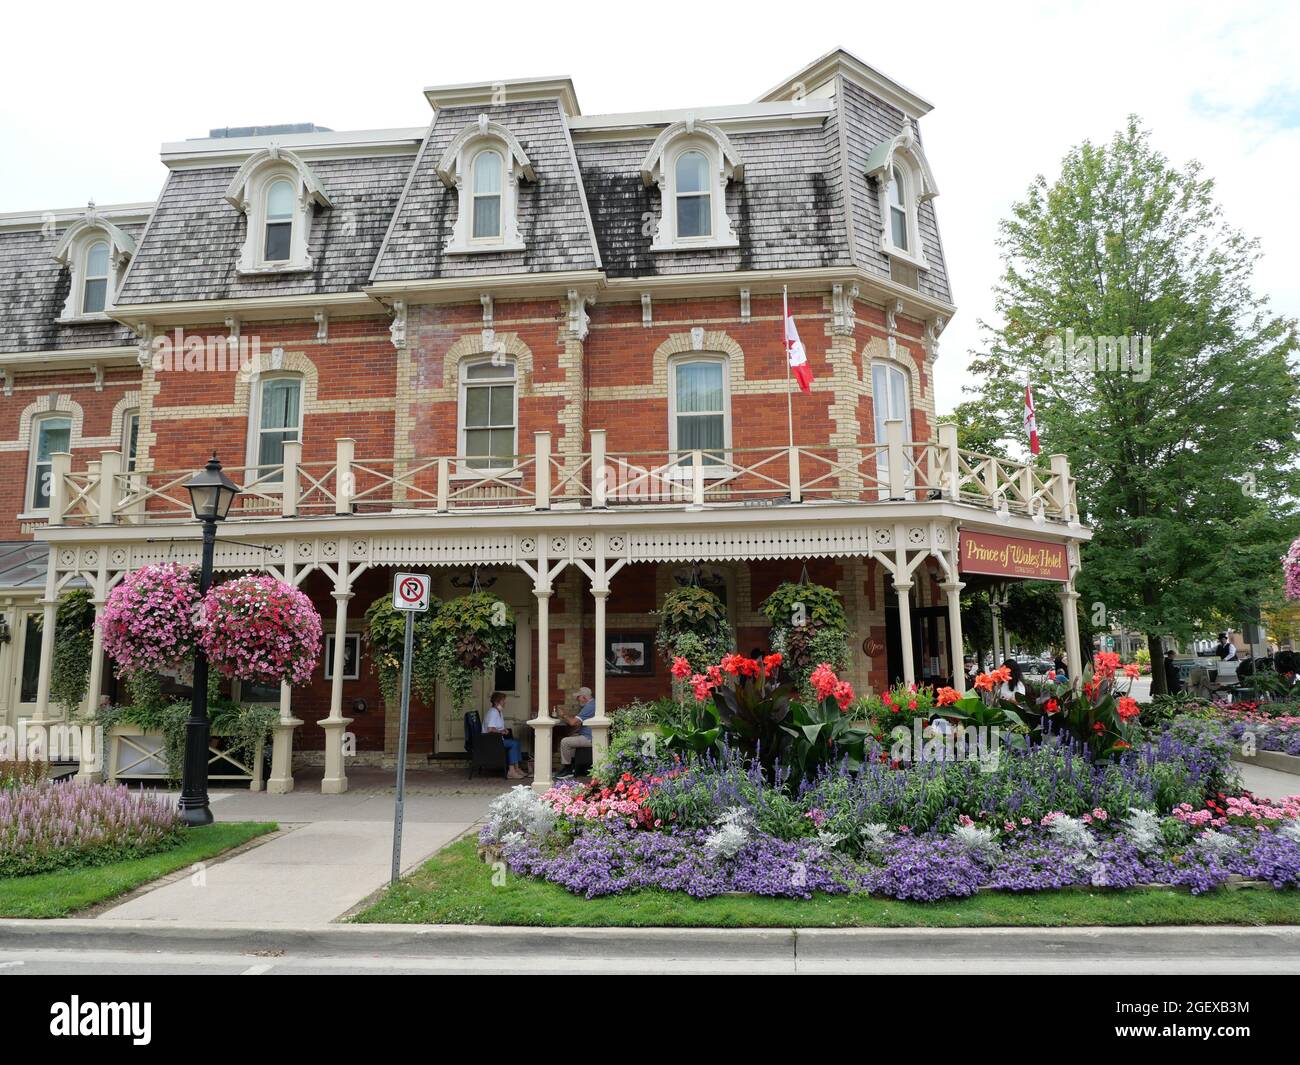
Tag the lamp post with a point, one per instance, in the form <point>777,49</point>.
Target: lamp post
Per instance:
<point>211,493</point>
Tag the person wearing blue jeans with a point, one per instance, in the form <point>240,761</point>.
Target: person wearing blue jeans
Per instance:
<point>494,721</point>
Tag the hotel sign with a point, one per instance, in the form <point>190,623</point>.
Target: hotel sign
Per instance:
<point>1012,556</point>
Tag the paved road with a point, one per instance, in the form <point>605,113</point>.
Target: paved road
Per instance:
<point>92,947</point>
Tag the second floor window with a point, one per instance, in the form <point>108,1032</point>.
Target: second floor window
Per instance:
<point>487,196</point>
<point>488,415</point>
<point>130,435</point>
<point>279,420</point>
<point>889,399</point>
<point>94,287</point>
<point>694,198</point>
<point>279,221</point>
<point>49,436</point>
<point>698,411</point>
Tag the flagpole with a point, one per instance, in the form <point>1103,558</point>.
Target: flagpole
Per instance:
<point>785,346</point>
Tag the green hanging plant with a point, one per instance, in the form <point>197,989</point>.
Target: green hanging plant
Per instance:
<point>468,636</point>
<point>693,625</point>
<point>808,627</point>
<point>385,637</point>
<point>74,637</point>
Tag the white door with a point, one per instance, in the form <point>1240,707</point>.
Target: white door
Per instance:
<point>25,664</point>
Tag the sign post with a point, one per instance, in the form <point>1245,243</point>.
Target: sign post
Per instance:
<point>411,593</point>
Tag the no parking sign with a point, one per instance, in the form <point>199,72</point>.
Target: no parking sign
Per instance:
<point>411,591</point>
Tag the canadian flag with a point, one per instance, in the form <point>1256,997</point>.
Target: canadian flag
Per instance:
<point>1031,423</point>
<point>794,351</point>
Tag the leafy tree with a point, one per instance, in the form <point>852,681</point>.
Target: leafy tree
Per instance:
<point>1186,467</point>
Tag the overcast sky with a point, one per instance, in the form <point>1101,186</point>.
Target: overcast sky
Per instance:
<point>83,110</point>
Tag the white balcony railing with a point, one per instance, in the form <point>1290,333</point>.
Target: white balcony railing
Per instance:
<point>549,480</point>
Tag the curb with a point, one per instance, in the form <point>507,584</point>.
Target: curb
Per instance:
<point>738,945</point>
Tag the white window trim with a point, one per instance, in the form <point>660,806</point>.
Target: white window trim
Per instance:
<point>464,471</point>
<point>248,192</point>
<point>29,490</point>
<point>72,251</point>
<point>328,657</point>
<point>677,456</point>
<point>882,458</point>
<point>659,167</point>
<point>456,171</point>
<point>127,415</point>
<point>904,153</point>
<point>252,450</point>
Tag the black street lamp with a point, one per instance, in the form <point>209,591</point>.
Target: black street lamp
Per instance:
<point>211,493</point>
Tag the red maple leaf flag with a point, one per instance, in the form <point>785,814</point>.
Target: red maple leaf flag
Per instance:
<point>794,351</point>
<point>1031,423</point>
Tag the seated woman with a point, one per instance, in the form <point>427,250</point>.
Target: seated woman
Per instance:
<point>494,721</point>
<point>1016,685</point>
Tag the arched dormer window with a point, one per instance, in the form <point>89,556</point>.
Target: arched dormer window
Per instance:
<point>691,163</point>
<point>96,253</point>
<point>483,165</point>
<point>279,194</point>
<point>904,181</point>
<point>487,195</point>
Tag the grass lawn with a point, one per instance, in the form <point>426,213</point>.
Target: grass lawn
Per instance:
<point>70,890</point>
<point>454,887</point>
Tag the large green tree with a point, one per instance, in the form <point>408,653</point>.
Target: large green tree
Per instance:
<point>1186,467</point>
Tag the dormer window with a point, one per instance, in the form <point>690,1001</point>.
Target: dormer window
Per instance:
<point>94,289</point>
<point>279,194</point>
<point>691,163</point>
<point>904,182</point>
<point>483,166</point>
<point>96,253</point>
<point>487,195</point>
<point>694,196</point>
<point>279,221</point>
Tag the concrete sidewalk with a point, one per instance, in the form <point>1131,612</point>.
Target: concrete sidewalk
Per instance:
<point>1266,783</point>
<point>333,851</point>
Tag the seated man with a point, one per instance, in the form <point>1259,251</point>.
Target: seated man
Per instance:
<point>581,738</point>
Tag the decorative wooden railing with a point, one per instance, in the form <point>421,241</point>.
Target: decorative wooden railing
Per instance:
<point>866,472</point>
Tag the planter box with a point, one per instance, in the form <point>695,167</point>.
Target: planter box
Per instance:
<point>1275,760</point>
<point>134,754</point>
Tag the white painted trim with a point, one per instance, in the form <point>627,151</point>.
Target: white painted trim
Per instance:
<point>659,167</point>
<point>820,71</point>
<point>456,171</point>
<point>464,469</point>
<point>497,93</point>
<point>721,359</point>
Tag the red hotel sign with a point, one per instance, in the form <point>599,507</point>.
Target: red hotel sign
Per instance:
<point>1012,556</point>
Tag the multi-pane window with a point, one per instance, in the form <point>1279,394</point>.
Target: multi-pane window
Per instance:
<point>488,170</point>
<point>699,408</point>
<point>890,402</point>
<point>898,211</point>
<point>488,414</point>
<point>279,419</point>
<point>49,435</point>
<point>130,436</point>
<point>694,197</point>
<point>279,221</point>
<point>94,286</point>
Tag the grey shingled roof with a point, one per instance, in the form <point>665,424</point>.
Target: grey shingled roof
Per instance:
<point>787,213</point>
<point>191,251</point>
<point>868,121</point>
<point>552,220</point>
<point>33,290</point>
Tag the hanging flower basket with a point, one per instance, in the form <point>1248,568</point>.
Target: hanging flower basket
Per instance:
<point>468,636</point>
<point>260,629</point>
<point>1291,569</point>
<point>148,619</point>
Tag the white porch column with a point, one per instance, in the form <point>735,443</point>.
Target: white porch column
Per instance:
<point>599,723</point>
<point>996,611</point>
<point>49,609</point>
<point>1070,616</point>
<point>956,652</point>
<point>281,779</point>
<point>543,723</point>
<point>335,781</point>
<point>92,772</point>
<point>904,592</point>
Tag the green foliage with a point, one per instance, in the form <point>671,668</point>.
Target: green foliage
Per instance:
<point>467,636</point>
<point>808,627</point>
<point>821,733</point>
<point>693,625</point>
<point>697,731</point>
<point>752,714</point>
<point>385,635</point>
<point>74,633</point>
<point>1175,463</point>
<point>639,716</point>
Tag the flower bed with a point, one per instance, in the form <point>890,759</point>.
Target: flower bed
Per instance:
<point>51,826</point>
<point>1046,815</point>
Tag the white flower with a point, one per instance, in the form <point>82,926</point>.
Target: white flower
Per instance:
<point>980,842</point>
<point>730,836</point>
<point>1142,829</point>
<point>519,812</point>
<point>1073,833</point>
